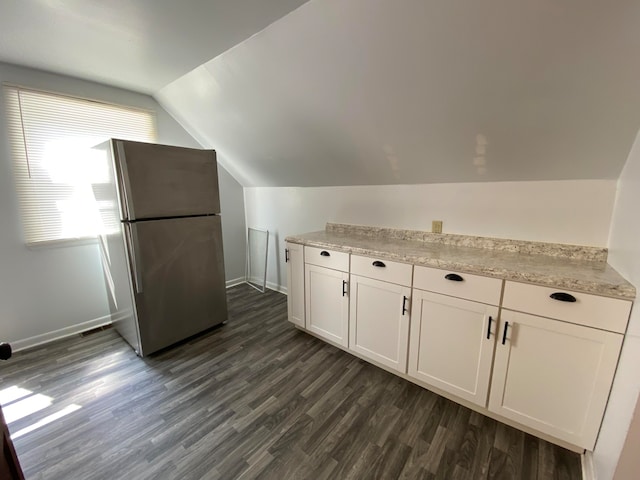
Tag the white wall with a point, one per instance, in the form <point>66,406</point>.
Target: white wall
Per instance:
<point>234,231</point>
<point>624,256</point>
<point>629,463</point>
<point>576,212</point>
<point>46,292</point>
<point>379,92</point>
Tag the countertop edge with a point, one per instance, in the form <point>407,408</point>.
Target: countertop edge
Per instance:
<point>612,291</point>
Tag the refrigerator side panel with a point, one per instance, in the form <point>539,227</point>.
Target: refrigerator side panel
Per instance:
<point>181,288</point>
<point>114,253</point>
<point>159,181</point>
<point>116,266</point>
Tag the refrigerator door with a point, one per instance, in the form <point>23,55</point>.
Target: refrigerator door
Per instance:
<point>114,249</point>
<point>178,278</point>
<point>159,181</point>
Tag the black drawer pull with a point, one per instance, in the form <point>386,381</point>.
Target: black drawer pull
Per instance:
<point>504,334</point>
<point>454,277</point>
<point>324,253</point>
<point>286,255</point>
<point>378,263</point>
<point>344,288</point>
<point>404,305</point>
<point>489,328</point>
<point>563,297</point>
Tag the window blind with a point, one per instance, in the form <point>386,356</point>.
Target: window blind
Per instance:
<point>51,136</point>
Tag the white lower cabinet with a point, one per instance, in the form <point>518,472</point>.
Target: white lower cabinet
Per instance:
<point>294,256</point>
<point>327,303</point>
<point>452,343</point>
<point>379,321</point>
<point>553,376</point>
<point>548,371</point>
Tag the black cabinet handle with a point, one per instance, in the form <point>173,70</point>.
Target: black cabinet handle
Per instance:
<point>324,253</point>
<point>344,287</point>
<point>378,263</point>
<point>286,255</point>
<point>5,351</point>
<point>563,297</point>
<point>489,327</point>
<point>454,277</point>
<point>504,334</point>
<point>404,305</point>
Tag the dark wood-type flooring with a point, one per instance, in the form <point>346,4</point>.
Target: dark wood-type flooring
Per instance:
<point>255,398</point>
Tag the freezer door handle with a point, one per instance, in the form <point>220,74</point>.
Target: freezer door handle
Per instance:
<point>124,175</point>
<point>134,248</point>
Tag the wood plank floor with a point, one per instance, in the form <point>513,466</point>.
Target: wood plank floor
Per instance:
<point>254,399</point>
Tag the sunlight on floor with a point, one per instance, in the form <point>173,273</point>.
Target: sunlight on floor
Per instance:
<point>26,406</point>
<point>19,403</point>
<point>46,420</point>
<point>12,394</point>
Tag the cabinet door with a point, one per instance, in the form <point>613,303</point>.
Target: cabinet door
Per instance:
<point>553,376</point>
<point>295,284</point>
<point>379,321</point>
<point>452,343</point>
<point>327,305</point>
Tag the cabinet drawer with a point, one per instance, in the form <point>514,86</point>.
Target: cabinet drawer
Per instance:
<point>385,270</point>
<point>591,310</point>
<point>327,258</point>
<point>471,287</point>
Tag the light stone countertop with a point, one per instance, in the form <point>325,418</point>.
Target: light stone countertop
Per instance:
<point>596,277</point>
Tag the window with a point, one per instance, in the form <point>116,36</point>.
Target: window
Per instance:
<point>51,137</point>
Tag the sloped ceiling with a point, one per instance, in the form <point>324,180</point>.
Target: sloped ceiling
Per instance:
<point>397,92</point>
<point>141,45</point>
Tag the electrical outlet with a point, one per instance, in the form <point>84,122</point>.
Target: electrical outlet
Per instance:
<point>436,226</point>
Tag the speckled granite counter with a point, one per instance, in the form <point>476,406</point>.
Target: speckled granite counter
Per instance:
<point>571,272</point>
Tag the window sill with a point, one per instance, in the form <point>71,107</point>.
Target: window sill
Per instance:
<point>67,242</point>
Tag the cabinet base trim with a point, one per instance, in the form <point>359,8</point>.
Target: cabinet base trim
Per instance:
<point>588,468</point>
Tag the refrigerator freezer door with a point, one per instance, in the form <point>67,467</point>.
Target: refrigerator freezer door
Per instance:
<point>159,181</point>
<point>181,287</point>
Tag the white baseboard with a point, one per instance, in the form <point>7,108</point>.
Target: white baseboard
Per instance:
<point>61,333</point>
<point>588,469</point>
<point>235,281</point>
<point>276,287</point>
<point>269,285</point>
<point>100,322</point>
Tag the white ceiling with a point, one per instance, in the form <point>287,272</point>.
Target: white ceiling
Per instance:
<point>363,91</point>
<point>141,45</point>
<point>382,92</point>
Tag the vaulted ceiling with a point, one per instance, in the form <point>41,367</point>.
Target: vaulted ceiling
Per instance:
<point>140,45</point>
<point>364,91</point>
<point>381,92</point>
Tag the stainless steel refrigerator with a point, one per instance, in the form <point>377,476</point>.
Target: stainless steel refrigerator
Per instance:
<point>161,241</point>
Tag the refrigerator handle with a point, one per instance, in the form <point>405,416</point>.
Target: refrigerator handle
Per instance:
<point>134,248</point>
<point>124,175</point>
